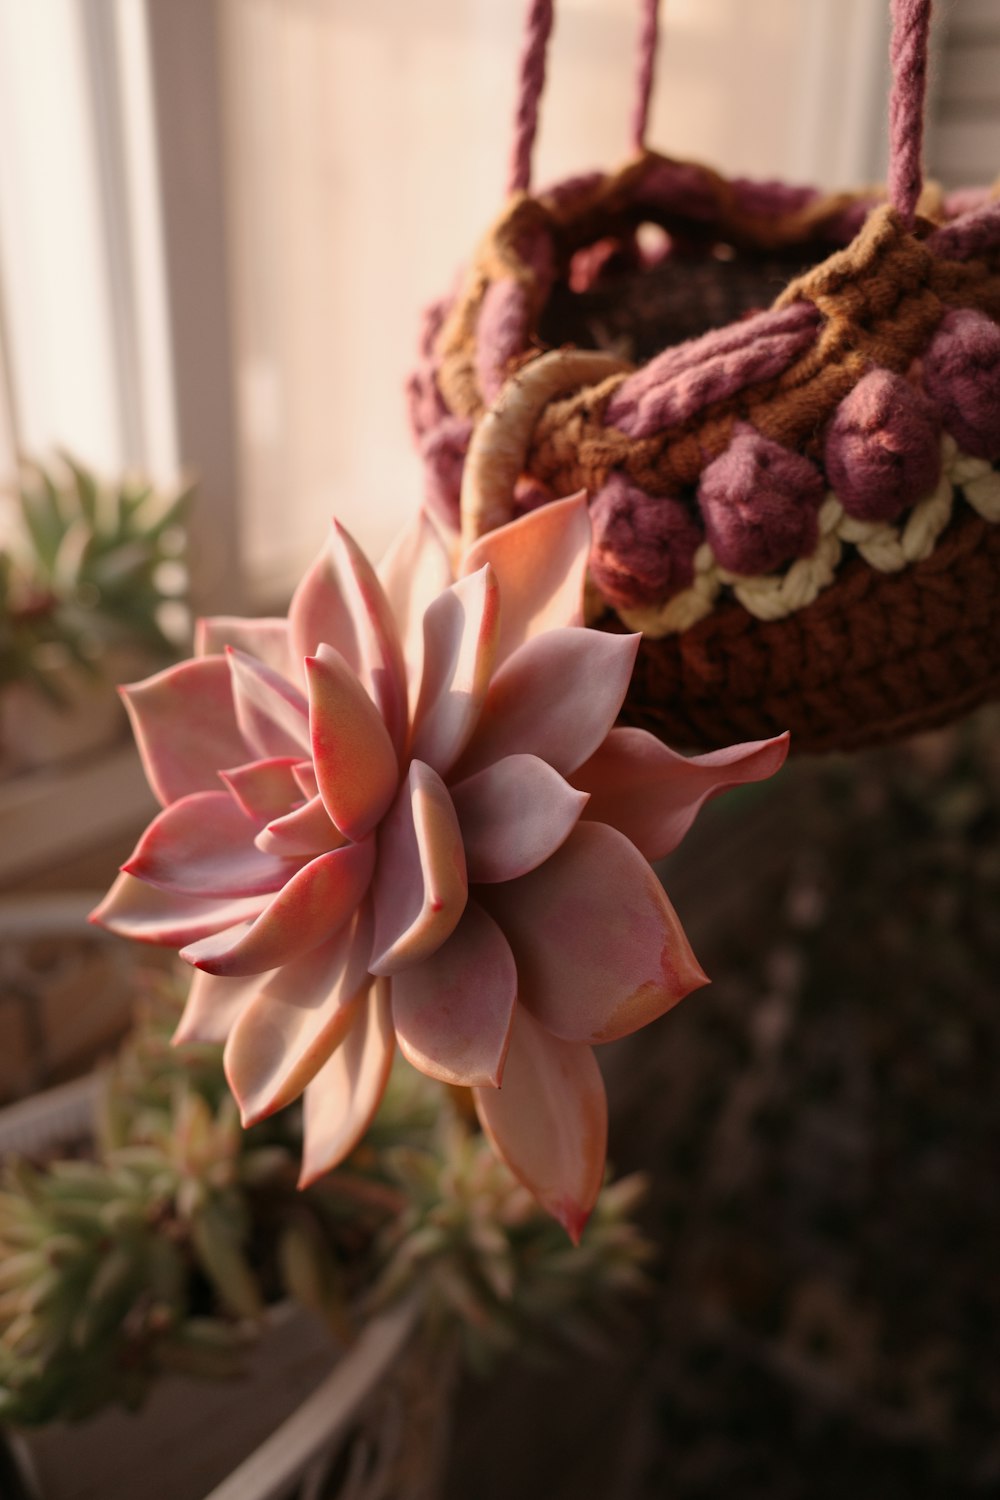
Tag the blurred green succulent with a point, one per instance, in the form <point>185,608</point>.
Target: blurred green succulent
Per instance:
<point>92,565</point>
<point>492,1263</point>
<point>162,1250</point>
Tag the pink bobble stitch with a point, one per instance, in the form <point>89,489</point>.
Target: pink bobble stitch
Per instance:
<point>644,548</point>
<point>882,449</point>
<point>759,503</point>
<point>962,377</point>
<point>443,451</point>
<point>501,333</point>
<point>529,494</point>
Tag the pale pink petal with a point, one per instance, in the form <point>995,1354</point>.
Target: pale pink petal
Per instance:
<point>340,603</point>
<point>541,563</point>
<point>420,886</point>
<point>653,795</point>
<point>135,910</point>
<point>267,640</point>
<point>203,846</point>
<point>214,1005</point>
<point>453,1012</point>
<point>513,816</point>
<point>549,1121</point>
<point>319,614</point>
<point>460,637</point>
<point>598,947</point>
<point>287,1032</point>
<point>185,726</point>
<point>343,1098</point>
<point>264,788</point>
<point>354,759</point>
<point>382,669</point>
<point>306,830</point>
<point>556,697</point>
<point>413,572</point>
<point>314,904</point>
<point>305,774</point>
<point>271,712</point>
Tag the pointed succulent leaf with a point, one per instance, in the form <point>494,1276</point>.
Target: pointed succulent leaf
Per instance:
<point>203,846</point>
<point>135,910</point>
<point>513,815</point>
<point>541,563</point>
<point>305,831</point>
<point>272,714</point>
<point>319,614</point>
<point>460,637</point>
<point>267,640</point>
<point>313,905</point>
<point>342,1100</point>
<point>556,697</point>
<point>420,887</point>
<point>549,1121</point>
<point>653,795</point>
<point>340,604</point>
<point>382,672</point>
<point>356,765</point>
<point>305,774</point>
<point>414,571</point>
<point>453,1012</point>
<point>185,726</point>
<point>264,789</point>
<point>213,1005</point>
<point>297,1019</point>
<point>599,949</point>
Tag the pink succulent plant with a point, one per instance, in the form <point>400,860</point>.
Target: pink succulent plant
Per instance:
<point>403,815</point>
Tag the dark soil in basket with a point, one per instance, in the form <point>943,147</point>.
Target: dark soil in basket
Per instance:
<point>637,312</point>
<point>822,1130</point>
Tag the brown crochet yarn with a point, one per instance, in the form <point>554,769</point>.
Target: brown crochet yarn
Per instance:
<point>770,307</point>
<point>875,658</point>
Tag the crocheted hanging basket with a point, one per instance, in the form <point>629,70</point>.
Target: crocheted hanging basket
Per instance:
<point>796,498</point>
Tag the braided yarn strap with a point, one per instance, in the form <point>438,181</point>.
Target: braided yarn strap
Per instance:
<point>911,20</point>
<point>532,82</point>
<point>531,75</point>
<point>644,72</point>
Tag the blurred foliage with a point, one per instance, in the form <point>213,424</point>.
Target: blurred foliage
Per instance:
<point>92,565</point>
<point>161,1244</point>
<point>827,1140</point>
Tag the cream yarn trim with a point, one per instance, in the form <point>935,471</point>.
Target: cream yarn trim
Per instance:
<point>885,547</point>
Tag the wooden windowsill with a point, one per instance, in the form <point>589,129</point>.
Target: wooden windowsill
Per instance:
<point>50,815</point>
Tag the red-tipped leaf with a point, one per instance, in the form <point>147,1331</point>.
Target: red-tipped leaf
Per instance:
<point>356,766</point>
<point>599,950</point>
<point>314,904</point>
<point>185,726</point>
<point>342,1100</point>
<point>549,1121</point>
<point>420,887</point>
<point>653,795</point>
<point>453,1012</point>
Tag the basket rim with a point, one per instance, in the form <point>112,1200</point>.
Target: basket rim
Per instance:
<point>873,301</point>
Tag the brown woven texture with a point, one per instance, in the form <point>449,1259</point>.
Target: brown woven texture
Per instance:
<point>881,299</point>
<point>876,657</point>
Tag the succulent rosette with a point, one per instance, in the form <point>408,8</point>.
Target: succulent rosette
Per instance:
<point>404,816</point>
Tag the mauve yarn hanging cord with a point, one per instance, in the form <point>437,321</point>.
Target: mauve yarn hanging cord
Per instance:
<point>649,30</point>
<point>531,74</point>
<point>531,82</point>
<point>911,20</point>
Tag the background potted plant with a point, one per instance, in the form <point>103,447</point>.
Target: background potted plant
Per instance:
<point>92,591</point>
<point>155,1255</point>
